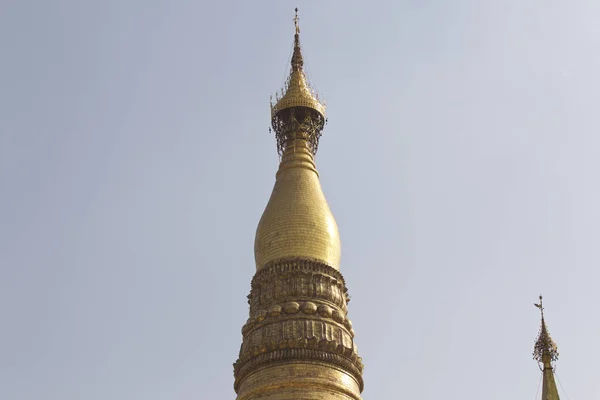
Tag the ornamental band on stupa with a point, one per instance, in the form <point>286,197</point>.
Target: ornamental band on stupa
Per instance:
<point>298,342</point>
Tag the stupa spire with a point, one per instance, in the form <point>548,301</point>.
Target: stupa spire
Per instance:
<point>298,342</point>
<point>545,352</point>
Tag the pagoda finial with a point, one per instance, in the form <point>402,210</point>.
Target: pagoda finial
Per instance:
<point>297,61</point>
<point>545,353</point>
<point>540,305</point>
<point>545,350</point>
<point>299,110</point>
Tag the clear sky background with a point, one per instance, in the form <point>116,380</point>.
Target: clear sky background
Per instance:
<point>461,161</point>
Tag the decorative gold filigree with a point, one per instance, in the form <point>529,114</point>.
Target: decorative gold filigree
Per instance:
<point>298,303</point>
<point>295,279</point>
<point>300,310</point>
<point>242,370</point>
<point>299,109</point>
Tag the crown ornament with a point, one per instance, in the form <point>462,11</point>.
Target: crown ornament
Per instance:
<point>297,112</point>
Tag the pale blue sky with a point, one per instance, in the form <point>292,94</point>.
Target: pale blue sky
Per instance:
<point>461,161</point>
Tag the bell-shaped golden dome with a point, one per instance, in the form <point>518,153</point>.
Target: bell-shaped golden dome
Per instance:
<point>297,222</point>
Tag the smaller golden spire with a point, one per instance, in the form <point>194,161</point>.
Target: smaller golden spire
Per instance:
<point>545,352</point>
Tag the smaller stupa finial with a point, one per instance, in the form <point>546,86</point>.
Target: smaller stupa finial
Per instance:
<point>545,350</point>
<point>545,353</point>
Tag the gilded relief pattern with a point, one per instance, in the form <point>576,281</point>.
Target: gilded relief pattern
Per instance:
<point>297,278</point>
<point>298,305</point>
<point>297,220</point>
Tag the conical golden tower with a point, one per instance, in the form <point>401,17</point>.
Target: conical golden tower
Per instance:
<point>298,342</point>
<point>545,352</point>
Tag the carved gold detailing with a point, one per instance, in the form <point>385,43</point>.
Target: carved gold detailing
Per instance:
<point>328,342</point>
<point>309,307</point>
<point>298,304</point>
<point>298,334</point>
<point>298,355</point>
<point>297,279</point>
<point>292,309</point>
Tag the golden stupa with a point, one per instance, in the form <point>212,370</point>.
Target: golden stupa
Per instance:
<point>298,342</point>
<point>545,352</point>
